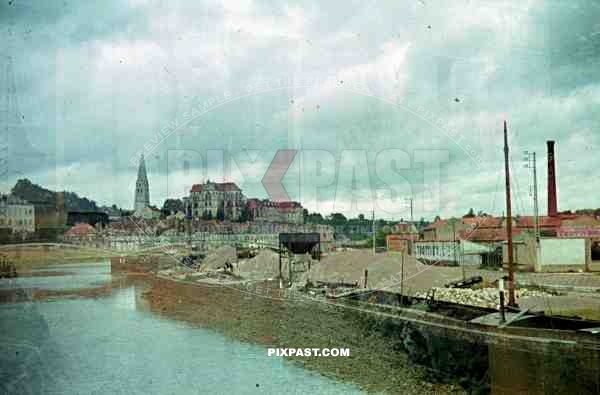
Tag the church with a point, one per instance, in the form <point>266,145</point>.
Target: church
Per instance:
<point>142,190</point>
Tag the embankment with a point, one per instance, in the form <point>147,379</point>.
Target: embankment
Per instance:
<point>378,362</point>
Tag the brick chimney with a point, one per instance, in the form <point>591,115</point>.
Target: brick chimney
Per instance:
<point>552,201</point>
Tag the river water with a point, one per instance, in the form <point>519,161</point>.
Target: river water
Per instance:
<point>115,344</point>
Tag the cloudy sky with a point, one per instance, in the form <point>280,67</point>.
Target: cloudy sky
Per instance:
<point>384,99</point>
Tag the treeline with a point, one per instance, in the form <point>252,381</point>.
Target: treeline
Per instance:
<point>357,228</point>
<point>40,196</point>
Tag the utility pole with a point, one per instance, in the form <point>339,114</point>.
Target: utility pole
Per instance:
<point>454,248</point>
<point>373,230</point>
<point>511,276</point>
<point>402,277</point>
<point>531,164</point>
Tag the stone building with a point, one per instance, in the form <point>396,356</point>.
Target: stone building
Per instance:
<point>16,214</point>
<point>142,189</point>
<point>214,200</point>
<point>269,211</point>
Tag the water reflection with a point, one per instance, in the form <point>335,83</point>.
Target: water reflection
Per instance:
<point>78,277</point>
<point>115,345</point>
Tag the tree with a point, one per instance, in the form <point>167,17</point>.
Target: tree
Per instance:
<point>380,236</point>
<point>221,212</point>
<point>361,217</point>
<point>470,214</point>
<point>173,205</point>
<point>337,219</point>
<point>244,214</point>
<point>314,218</point>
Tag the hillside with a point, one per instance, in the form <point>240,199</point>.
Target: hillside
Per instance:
<point>40,196</point>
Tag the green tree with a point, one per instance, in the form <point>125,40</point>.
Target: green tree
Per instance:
<point>221,214</point>
<point>337,219</point>
<point>315,218</point>
<point>470,214</point>
<point>244,214</point>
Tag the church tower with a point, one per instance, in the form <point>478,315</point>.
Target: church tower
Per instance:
<point>142,190</point>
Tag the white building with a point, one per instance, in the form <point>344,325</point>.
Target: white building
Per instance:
<point>16,214</point>
<point>269,211</point>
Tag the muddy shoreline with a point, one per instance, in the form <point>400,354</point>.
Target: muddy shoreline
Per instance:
<point>373,364</point>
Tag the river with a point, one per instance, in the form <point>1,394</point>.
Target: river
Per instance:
<point>113,343</point>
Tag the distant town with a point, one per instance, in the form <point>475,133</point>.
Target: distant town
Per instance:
<point>32,213</point>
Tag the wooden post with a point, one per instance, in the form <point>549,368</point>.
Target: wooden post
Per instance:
<point>502,315</point>
<point>289,264</point>
<point>366,275</point>
<point>511,276</point>
<point>402,276</point>
<point>280,275</point>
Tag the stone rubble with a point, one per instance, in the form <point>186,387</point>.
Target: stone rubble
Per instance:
<point>484,297</point>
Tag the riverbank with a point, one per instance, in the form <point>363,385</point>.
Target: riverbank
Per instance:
<point>373,364</point>
<point>28,256</point>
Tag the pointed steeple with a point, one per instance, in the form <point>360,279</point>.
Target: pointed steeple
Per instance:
<point>142,169</point>
<point>142,189</point>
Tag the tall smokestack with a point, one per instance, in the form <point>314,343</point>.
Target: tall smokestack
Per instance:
<point>552,202</point>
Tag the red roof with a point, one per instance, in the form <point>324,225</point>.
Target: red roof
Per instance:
<point>529,222</point>
<point>486,234</point>
<point>436,224</point>
<point>80,230</point>
<point>219,186</point>
<point>227,187</point>
<point>484,221</point>
<point>286,206</point>
<point>252,203</point>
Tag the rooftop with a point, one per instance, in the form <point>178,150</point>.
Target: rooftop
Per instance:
<point>217,186</point>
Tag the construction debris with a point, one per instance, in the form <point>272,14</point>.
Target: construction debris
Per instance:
<point>485,297</point>
<point>218,258</point>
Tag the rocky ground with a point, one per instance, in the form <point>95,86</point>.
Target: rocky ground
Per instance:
<point>484,297</point>
<point>385,272</point>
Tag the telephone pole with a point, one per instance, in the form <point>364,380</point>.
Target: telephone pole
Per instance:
<point>511,275</point>
<point>531,164</point>
<point>373,230</point>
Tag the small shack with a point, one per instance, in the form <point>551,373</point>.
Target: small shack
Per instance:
<point>301,243</point>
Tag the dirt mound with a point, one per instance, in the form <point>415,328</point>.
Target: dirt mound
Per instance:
<point>218,257</point>
<point>263,265</point>
<point>384,271</point>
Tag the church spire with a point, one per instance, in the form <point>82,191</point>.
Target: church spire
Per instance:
<point>142,169</point>
<point>142,189</point>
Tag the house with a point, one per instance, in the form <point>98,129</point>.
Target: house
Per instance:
<point>81,233</point>
<point>269,211</point>
<point>16,215</point>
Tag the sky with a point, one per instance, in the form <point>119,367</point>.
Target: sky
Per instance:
<point>383,101</point>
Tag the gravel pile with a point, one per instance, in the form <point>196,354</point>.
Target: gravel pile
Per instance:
<point>485,297</point>
<point>217,258</point>
<point>263,266</point>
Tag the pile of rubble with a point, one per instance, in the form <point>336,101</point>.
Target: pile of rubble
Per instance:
<point>218,258</point>
<point>484,297</point>
<point>265,265</point>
